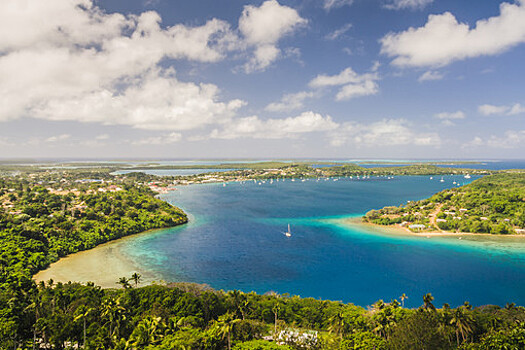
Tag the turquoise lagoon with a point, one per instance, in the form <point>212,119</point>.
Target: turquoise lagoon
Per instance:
<point>235,240</point>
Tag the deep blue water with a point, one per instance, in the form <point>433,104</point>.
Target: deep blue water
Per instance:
<point>234,241</point>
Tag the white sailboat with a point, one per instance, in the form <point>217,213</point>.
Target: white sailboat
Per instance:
<point>441,180</point>
<point>288,233</point>
<point>467,176</point>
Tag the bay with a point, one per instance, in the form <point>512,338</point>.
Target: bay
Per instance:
<point>235,240</point>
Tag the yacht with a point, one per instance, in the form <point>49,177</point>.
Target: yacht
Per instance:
<point>288,233</point>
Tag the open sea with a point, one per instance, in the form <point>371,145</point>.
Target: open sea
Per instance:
<point>235,240</point>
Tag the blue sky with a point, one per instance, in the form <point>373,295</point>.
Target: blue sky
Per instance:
<point>269,79</point>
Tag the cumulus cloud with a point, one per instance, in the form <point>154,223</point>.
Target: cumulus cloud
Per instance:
<point>68,60</point>
<point>448,117</point>
<point>290,102</point>
<point>153,101</point>
<point>443,39</point>
<point>332,4</point>
<point>453,115</point>
<point>263,27</point>
<point>387,132</point>
<point>254,127</point>
<point>430,75</point>
<point>475,142</point>
<point>488,109</point>
<point>352,84</point>
<point>407,4</point>
<point>338,32</point>
<point>511,139</point>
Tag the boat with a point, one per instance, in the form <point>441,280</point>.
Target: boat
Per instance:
<point>431,178</point>
<point>467,176</point>
<point>288,233</point>
<point>442,180</point>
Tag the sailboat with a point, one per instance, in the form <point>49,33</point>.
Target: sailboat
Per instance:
<point>441,180</point>
<point>467,176</point>
<point>288,233</point>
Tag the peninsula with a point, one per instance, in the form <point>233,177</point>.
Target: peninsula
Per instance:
<point>490,205</point>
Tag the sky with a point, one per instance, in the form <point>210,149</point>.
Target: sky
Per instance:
<point>385,79</point>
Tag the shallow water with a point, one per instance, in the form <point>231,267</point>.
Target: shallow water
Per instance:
<point>235,240</point>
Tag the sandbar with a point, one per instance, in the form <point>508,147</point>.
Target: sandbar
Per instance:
<point>399,230</point>
<point>103,265</point>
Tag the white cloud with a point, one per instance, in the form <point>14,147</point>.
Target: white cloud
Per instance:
<point>331,4</point>
<point>488,109</point>
<point>430,75</point>
<point>407,4</point>
<point>353,84</point>
<point>154,101</point>
<point>365,88</point>
<point>443,39</point>
<point>517,109</point>
<point>475,142</point>
<point>338,32</point>
<point>511,139</point>
<point>387,132</point>
<point>263,27</point>
<point>290,102</point>
<point>254,127</point>
<point>449,116</point>
<point>68,60</point>
<point>57,138</point>
<point>159,140</point>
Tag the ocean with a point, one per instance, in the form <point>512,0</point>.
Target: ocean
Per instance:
<point>235,240</point>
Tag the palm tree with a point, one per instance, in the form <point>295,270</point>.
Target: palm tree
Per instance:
<point>510,306</point>
<point>115,313</point>
<point>337,324</point>
<point>427,302</point>
<point>276,308</point>
<point>239,301</point>
<point>136,278</point>
<point>85,312</point>
<point>463,321</point>
<point>148,332</point>
<point>37,306</point>
<point>226,324</point>
<point>379,305</point>
<point>124,282</point>
<point>403,297</point>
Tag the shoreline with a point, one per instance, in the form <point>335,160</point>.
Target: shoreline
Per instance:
<point>105,262</point>
<point>398,230</point>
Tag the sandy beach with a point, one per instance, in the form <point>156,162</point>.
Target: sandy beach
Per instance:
<point>103,265</point>
<point>398,230</point>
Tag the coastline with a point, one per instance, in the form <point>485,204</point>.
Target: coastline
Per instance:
<point>398,230</point>
<point>102,265</point>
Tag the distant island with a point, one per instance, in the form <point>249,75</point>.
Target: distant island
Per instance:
<point>492,205</point>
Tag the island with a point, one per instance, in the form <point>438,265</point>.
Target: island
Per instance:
<point>49,212</point>
<point>490,205</point>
